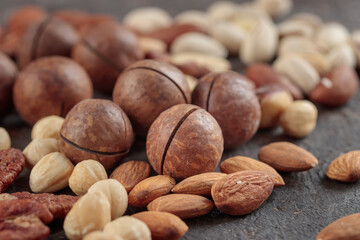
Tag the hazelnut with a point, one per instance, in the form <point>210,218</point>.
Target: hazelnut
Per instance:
<point>90,213</point>
<point>51,173</point>
<point>128,228</point>
<point>99,235</point>
<point>96,129</point>
<point>38,148</point>
<point>5,141</point>
<point>299,119</point>
<point>48,37</point>
<point>183,141</point>
<point>18,22</point>
<point>115,193</point>
<point>146,89</point>
<point>50,86</point>
<point>231,99</point>
<point>8,73</point>
<point>85,174</point>
<point>47,127</point>
<point>105,51</point>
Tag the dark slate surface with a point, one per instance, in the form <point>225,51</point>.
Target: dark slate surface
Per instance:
<point>308,202</point>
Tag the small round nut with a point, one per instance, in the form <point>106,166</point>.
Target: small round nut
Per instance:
<point>128,228</point>
<point>5,141</point>
<point>85,174</point>
<point>90,213</point>
<point>51,173</point>
<point>47,127</point>
<point>299,119</point>
<point>38,148</point>
<point>115,193</point>
<point>98,235</point>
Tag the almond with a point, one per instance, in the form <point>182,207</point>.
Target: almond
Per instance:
<point>182,205</point>
<point>262,74</point>
<point>199,184</point>
<point>287,157</point>
<point>163,225</point>
<point>242,192</point>
<point>345,168</point>
<point>344,228</point>
<point>131,173</point>
<point>150,189</point>
<point>239,163</point>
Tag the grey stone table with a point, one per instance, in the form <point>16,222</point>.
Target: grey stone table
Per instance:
<point>307,203</point>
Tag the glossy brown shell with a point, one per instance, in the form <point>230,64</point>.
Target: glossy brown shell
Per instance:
<point>146,89</point>
<point>183,141</point>
<point>105,51</point>
<point>96,129</point>
<point>232,102</point>
<point>8,73</point>
<point>50,86</point>
<point>48,37</point>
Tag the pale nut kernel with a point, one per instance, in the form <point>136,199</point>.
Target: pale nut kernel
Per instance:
<point>212,63</point>
<point>199,43</point>
<point>90,213</point>
<point>261,43</point>
<point>309,18</point>
<point>229,34</point>
<point>331,35</point>
<point>299,119</point>
<point>319,61</point>
<point>272,107</point>
<point>298,71</point>
<point>297,45</point>
<point>149,45</point>
<point>294,27</point>
<point>38,148</point>
<point>5,141</point>
<point>128,228</point>
<point>51,173</point>
<point>222,10</point>
<point>192,82</point>
<point>342,55</point>
<point>147,19</point>
<point>275,8</point>
<point>99,235</point>
<point>355,43</point>
<point>47,127</point>
<point>115,193</point>
<point>197,18</point>
<point>85,174</point>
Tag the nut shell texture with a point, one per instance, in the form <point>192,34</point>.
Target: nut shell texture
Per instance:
<point>184,140</point>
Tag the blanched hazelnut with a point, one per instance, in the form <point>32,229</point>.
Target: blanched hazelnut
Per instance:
<point>299,119</point>
<point>5,141</point>
<point>98,235</point>
<point>38,148</point>
<point>85,174</point>
<point>47,127</point>
<point>128,228</point>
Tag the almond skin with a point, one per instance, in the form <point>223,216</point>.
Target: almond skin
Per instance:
<point>346,228</point>
<point>182,205</point>
<point>131,173</point>
<point>242,192</point>
<point>199,184</point>
<point>163,225</point>
<point>150,189</point>
<point>239,163</point>
<point>287,157</point>
<point>345,168</point>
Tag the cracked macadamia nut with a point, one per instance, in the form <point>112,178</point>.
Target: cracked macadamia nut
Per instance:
<point>105,50</point>
<point>8,71</point>
<point>146,89</point>
<point>51,173</point>
<point>128,228</point>
<point>50,86</point>
<point>47,127</point>
<point>230,98</point>
<point>85,174</point>
<point>38,148</point>
<point>183,141</point>
<point>96,129</point>
<point>299,119</point>
<point>49,37</point>
<point>5,141</point>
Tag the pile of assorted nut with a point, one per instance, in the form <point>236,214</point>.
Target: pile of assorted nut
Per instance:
<point>171,83</point>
